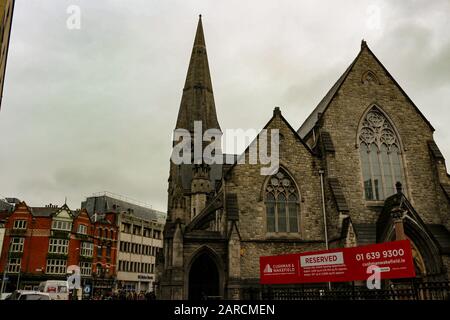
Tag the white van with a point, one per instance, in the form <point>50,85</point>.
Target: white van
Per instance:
<point>57,289</point>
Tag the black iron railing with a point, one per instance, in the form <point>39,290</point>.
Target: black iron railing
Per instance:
<point>403,291</point>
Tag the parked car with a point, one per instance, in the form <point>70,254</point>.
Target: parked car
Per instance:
<point>57,289</point>
<point>5,295</point>
<point>28,295</point>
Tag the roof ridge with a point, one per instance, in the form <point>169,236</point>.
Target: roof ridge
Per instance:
<point>310,122</point>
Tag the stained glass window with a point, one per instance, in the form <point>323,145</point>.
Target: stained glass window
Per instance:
<point>282,204</point>
<point>380,156</point>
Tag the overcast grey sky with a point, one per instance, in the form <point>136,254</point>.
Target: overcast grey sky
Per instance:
<point>93,109</point>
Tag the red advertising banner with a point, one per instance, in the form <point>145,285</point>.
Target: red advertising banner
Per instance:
<point>394,260</point>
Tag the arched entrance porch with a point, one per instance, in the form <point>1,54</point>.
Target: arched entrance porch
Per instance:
<point>204,279</point>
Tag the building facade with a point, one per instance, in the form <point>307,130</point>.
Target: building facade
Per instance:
<point>6,16</point>
<point>139,238</point>
<point>3,216</point>
<point>6,207</point>
<point>105,236</point>
<point>365,156</point>
<point>40,244</point>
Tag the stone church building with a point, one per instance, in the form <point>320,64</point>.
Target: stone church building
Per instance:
<point>365,157</point>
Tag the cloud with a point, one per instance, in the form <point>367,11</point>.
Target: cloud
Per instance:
<point>93,109</point>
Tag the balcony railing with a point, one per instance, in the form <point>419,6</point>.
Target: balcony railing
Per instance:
<point>57,256</point>
<point>18,232</point>
<point>411,291</point>
<point>60,234</point>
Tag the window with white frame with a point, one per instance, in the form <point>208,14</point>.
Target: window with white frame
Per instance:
<point>61,225</point>
<point>20,224</point>
<point>87,249</point>
<point>126,227</point>
<point>56,266</point>
<point>58,246</point>
<point>82,229</point>
<point>17,244</point>
<point>86,268</point>
<point>14,265</point>
<point>380,154</point>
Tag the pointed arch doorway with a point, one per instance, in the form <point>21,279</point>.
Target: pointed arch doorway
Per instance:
<point>204,280</point>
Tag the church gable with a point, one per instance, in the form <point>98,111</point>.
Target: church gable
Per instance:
<point>367,77</point>
<point>366,84</point>
<point>288,137</point>
<point>369,82</point>
<point>364,91</point>
<point>299,168</point>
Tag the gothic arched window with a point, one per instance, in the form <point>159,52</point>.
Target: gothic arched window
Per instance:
<point>380,153</point>
<point>281,204</point>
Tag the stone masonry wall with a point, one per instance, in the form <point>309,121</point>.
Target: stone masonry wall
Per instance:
<point>248,183</point>
<point>342,119</point>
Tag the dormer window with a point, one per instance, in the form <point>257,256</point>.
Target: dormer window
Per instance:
<point>61,225</point>
<point>20,224</point>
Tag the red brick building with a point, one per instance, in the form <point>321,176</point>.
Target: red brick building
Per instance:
<point>41,242</point>
<point>105,234</point>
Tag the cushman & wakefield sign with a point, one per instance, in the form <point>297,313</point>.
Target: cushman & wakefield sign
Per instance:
<point>393,260</point>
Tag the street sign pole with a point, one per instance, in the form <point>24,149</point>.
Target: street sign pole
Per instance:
<point>4,277</point>
<point>321,172</point>
<point>18,281</point>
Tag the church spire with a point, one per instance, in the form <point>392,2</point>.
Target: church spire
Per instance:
<point>197,102</point>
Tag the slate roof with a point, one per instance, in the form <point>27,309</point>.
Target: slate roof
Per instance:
<point>103,204</point>
<point>12,200</point>
<point>232,206</point>
<point>338,194</point>
<point>5,206</point>
<point>312,119</point>
<point>43,211</point>
<point>206,214</point>
<point>366,233</point>
<point>435,150</point>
